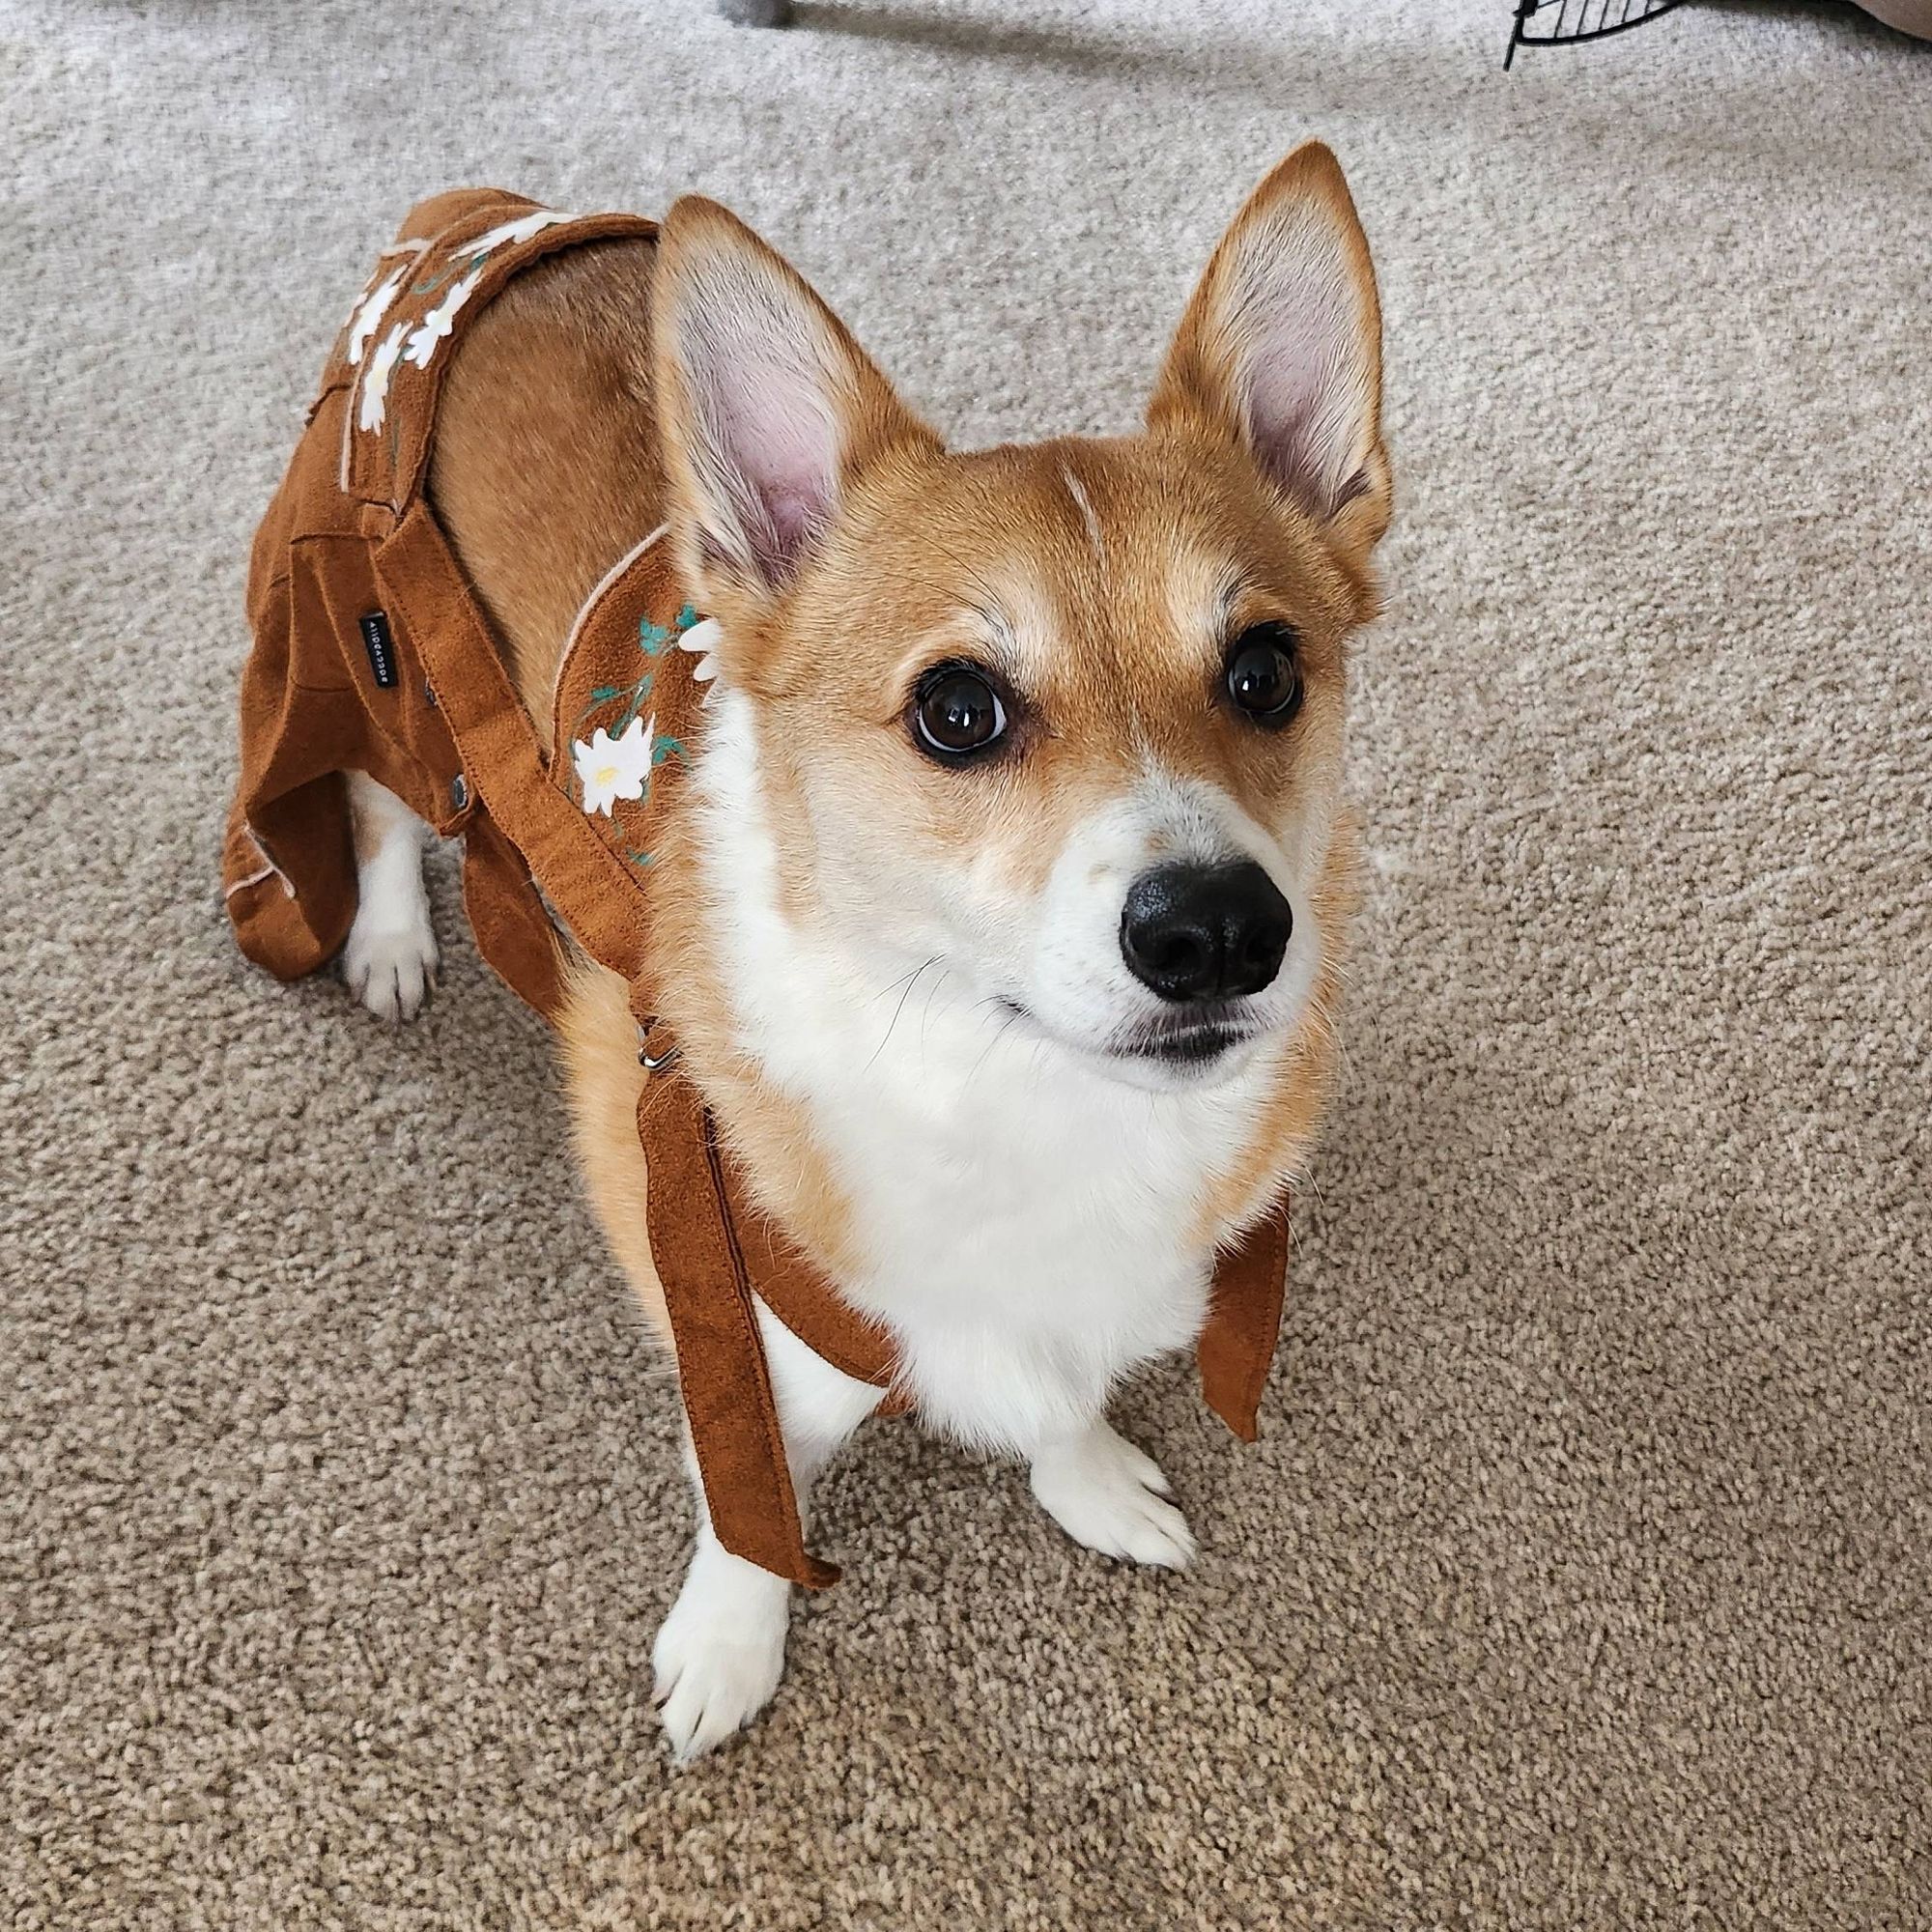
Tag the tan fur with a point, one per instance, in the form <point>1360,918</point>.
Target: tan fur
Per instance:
<point>548,466</point>
<point>368,825</point>
<point>604,1082</point>
<point>554,460</point>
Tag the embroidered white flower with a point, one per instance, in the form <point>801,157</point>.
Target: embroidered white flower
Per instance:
<point>613,768</point>
<point>376,377</point>
<point>368,317</point>
<point>702,640</point>
<point>440,321</point>
<point>519,230</point>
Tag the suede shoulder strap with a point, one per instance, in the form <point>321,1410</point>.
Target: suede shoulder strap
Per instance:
<point>1236,1344</point>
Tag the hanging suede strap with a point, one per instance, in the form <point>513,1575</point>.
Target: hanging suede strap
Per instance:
<point>1236,1346</point>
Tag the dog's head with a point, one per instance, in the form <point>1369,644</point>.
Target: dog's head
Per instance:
<point>1067,717</point>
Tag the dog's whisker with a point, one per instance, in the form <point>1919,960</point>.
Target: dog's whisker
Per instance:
<point>893,986</point>
<point>911,983</point>
<point>1011,1017</point>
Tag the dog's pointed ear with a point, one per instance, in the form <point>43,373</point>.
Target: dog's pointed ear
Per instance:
<point>767,408</point>
<point>1280,350</point>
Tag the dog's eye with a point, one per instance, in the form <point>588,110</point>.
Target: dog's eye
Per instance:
<point>956,714</point>
<point>1262,677</point>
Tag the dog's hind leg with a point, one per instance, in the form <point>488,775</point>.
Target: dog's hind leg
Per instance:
<point>720,1651</point>
<point>390,961</point>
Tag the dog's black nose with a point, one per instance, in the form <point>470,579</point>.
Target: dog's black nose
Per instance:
<point>1205,932</point>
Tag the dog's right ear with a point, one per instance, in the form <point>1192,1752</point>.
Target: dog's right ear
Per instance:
<point>767,407</point>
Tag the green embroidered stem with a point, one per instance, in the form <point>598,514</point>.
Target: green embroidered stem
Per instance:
<point>639,690</point>
<point>450,273</point>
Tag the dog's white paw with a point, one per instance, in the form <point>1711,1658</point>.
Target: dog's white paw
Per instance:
<point>720,1652</point>
<point>1106,1495</point>
<point>389,961</point>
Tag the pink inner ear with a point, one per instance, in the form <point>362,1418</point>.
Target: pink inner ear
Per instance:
<point>1304,387</point>
<point>773,443</point>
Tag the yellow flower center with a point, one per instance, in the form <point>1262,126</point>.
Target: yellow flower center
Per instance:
<point>607,774</point>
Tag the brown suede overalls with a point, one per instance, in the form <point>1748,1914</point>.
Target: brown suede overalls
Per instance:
<point>373,654</point>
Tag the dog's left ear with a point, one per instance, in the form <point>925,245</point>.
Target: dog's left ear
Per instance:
<point>1280,350</point>
<point>769,410</point>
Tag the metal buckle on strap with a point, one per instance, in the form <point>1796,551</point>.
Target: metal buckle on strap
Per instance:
<point>654,1062</point>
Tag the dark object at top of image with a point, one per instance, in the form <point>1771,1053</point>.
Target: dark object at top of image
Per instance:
<point>1552,23</point>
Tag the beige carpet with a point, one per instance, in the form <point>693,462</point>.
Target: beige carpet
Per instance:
<point>1581,1578</point>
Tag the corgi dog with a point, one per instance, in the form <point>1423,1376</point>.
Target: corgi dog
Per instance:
<point>1003,929</point>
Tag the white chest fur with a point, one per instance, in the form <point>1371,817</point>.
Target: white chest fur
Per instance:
<point>1029,1227</point>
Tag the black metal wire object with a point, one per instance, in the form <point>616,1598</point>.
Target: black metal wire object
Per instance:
<point>1549,23</point>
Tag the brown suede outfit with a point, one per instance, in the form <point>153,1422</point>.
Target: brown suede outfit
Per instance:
<point>373,654</point>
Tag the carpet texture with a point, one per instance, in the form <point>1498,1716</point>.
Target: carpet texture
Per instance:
<point>1581,1577</point>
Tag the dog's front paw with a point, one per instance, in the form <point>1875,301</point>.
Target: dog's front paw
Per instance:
<point>1104,1494</point>
<point>389,961</point>
<point>720,1655</point>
